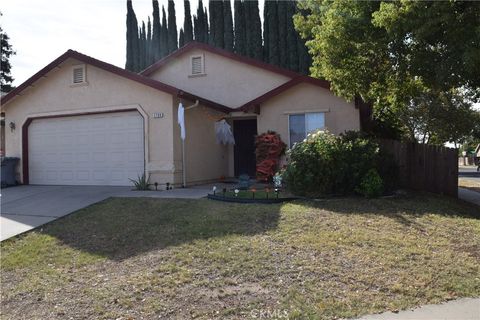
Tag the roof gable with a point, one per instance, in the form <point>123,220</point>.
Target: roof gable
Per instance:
<point>224,53</point>
<point>115,70</point>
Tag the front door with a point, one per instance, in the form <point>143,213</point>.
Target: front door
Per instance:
<point>244,132</point>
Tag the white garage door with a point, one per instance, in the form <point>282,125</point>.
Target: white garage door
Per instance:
<point>102,149</point>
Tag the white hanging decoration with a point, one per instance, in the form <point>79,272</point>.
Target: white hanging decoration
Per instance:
<point>223,132</point>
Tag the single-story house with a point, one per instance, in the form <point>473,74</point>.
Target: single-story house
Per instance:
<point>81,121</point>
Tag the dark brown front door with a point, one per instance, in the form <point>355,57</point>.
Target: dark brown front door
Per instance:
<point>244,132</point>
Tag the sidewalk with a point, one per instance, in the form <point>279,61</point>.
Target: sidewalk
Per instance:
<point>461,309</point>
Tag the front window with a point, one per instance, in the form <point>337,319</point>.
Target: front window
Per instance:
<point>302,124</point>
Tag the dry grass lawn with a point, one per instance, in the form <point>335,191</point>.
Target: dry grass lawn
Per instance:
<point>181,259</point>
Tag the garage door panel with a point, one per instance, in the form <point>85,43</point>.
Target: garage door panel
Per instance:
<point>105,149</point>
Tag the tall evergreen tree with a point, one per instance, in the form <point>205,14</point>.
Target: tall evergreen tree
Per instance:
<point>181,38</point>
<point>150,59</point>
<point>143,47</point>
<point>273,32</point>
<point>187,24</point>
<point>228,39</point>
<point>266,32</point>
<point>282,33</point>
<point>172,27</point>
<point>206,28</point>
<point>6,78</point>
<point>292,37</point>
<point>198,24</point>
<point>304,58</point>
<point>133,42</point>
<point>156,33</point>
<point>163,35</point>
<point>213,22</point>
<point>219,25</point>
<point>240,25</point>
<point>255,30</point>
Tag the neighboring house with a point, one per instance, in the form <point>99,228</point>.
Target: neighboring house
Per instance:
<point>81,121</point>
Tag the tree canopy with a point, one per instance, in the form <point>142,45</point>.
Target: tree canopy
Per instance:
<point>6,78</point>
<point>395,55</point>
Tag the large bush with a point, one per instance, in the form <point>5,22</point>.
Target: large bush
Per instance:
<point>325,164</point>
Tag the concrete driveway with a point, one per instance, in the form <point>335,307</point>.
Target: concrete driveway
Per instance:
<point>26,207</point>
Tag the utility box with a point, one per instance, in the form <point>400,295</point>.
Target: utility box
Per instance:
<point>9,165</point>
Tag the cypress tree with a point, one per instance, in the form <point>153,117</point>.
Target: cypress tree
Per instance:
<point>273,54</point>
<point>198,23</point>
<point>163,35</point>
<point>156,33</point>
<point>150,59</point>
<point>282,33</point>
<point>266,32</point>
<point>304,59</point>
<point>248,29</point>
<point>213,22</point>
<point>187,24</point>
<point>219,24</point>
<point>240,25</point>
<point>181,38</point>
<point>206,29</point>
<point>255,30</point>
<point>172,27</point>
<point>228,39</point>
<point>133,41</point>
<point>143,48</point>
<point>292,36</point>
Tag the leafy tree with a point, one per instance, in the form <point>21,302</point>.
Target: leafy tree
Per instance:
<point>228,39</point>
<point>156,32</point>
<point>187,24</point>
<point>172,37</point>
<point>393,54</point>
<point>6,78</point>
<point>240,27</point>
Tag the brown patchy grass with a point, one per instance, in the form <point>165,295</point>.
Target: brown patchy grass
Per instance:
<point>181,259</point>
<point>469,184</point>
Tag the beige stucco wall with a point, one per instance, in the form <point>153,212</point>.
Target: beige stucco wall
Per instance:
<point>205,159</point>
<point>105,91</point>
<point>340,115</point>
<point>226,81</point>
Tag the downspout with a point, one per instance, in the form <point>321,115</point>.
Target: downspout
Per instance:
<point>184,167</point>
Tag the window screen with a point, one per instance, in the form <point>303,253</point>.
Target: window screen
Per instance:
<point>302,124</point>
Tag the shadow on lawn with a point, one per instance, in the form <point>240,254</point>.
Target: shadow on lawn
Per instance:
<point>120,228</point>
<point>402,209</point>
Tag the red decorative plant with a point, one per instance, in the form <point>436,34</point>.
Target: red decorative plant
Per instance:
<point>269,149</point>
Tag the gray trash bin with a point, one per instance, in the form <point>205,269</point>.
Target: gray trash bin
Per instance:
<point>8,171</point>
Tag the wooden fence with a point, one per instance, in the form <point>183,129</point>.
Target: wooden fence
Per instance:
<point>425,167</point>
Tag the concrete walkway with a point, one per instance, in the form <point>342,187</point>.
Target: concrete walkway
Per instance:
<point>461,309</point>
<point>26,207</point>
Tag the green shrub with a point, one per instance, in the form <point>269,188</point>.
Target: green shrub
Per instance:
<point>371,185</point>
<point>325,164</point>
<point>142,183</point>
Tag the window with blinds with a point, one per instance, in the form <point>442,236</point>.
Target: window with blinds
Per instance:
<point>78,74</point>
<point>197,65</point>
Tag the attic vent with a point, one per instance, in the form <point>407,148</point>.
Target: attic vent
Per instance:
<point>78,75</point>
<point>197,65</point>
